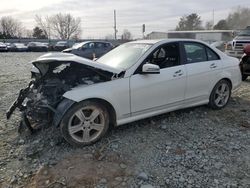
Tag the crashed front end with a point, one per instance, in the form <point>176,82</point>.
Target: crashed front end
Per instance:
<point>42,101</point>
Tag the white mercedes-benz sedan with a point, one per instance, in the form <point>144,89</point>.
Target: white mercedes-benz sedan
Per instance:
<point>136,80</point>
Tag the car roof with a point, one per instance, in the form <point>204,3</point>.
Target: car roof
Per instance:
<point>150,41</point>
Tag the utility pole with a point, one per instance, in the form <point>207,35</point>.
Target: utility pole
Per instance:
<point>143,31</point>
<point>115,30</point>
<point>213,18</point>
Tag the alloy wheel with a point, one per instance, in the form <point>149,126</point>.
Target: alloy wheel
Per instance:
<point>222,94</point>
<point>86,124</point>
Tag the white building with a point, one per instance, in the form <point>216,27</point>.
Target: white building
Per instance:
<point>204,35</point>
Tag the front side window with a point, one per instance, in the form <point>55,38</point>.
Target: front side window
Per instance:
<point>165,56</point>
<point>195,52</point>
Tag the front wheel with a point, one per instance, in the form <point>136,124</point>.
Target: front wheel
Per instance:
<point>220,95</point>
<point>85,123</point>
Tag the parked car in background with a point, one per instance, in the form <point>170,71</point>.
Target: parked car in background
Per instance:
<point>136,80</point>
<point>8,45</point>
<point>3,47</point>
<point>18,47</point>
<point>61,45</point>
<point>219,45</point>
<point>90,49</point>
<point>37,47</point>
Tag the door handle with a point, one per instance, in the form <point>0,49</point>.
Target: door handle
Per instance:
<point>213,65</point>
<point>178,73</point>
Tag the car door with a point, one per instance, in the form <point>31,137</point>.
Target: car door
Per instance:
<point>152,92</point>
<point>203,66</point>
<point>87,50</point>
<point>99,51</point>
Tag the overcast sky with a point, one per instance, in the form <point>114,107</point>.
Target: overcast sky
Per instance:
<point>97,15</point>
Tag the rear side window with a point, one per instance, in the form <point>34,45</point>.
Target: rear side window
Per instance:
<point>100,45</point>
<point>107,45</point>
<point>211,55</point>
<point>195,52</point>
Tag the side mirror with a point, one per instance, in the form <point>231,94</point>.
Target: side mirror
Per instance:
<point>150,69</point>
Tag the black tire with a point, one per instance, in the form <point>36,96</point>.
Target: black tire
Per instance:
<point>65,123</point>
<point>244,77</point>
<point>213,96</point>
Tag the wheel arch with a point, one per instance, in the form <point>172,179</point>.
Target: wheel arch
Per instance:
<point>228,80</point>
<point>222,78</point>
<point>66,104</point>
<point>109,106</point>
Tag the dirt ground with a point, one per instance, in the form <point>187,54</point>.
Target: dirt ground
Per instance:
<point>196,147</point>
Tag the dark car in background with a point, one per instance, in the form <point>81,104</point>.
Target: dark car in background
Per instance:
<point>3,47</point>
<point>90,49</point>
<point>61,45</point>
<point>37,47</point>
<point>245,63</point>
<point>17,47</point>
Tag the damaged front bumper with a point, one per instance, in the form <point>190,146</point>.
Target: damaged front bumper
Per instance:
<point>18,103</point>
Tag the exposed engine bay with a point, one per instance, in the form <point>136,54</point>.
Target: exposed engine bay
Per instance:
<point>38,102</point>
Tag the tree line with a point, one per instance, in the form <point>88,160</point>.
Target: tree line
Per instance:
<point>60,26</point>
<point>237,19</point>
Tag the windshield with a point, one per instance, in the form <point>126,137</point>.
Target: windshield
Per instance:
<point>124,56</point>
<point>78,45</point>
<point>245,33</point>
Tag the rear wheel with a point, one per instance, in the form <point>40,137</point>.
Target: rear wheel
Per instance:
<point>220,95</point>
<point>85,123</point>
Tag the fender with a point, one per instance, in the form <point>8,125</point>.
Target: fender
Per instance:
<point>61,109</point>
<point>119,99</point>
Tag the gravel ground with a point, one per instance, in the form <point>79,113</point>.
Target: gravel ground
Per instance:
<point>196,147</point>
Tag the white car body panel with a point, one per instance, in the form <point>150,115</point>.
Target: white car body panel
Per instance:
<point>165,88</point>
<point>119,98</point>
<point>140,96</point>
<point>201,78</point>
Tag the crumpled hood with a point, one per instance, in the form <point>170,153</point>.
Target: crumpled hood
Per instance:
<point>67,57</point>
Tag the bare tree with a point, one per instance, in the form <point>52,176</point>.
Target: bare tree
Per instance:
<point>62,26</point>
<point>209,25</point>
<point>27,33</point>
<point>65,26</point>
<point>44,25</point>
<point>109,37</point>
<point>10,27</point>
<point>126,35</point>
